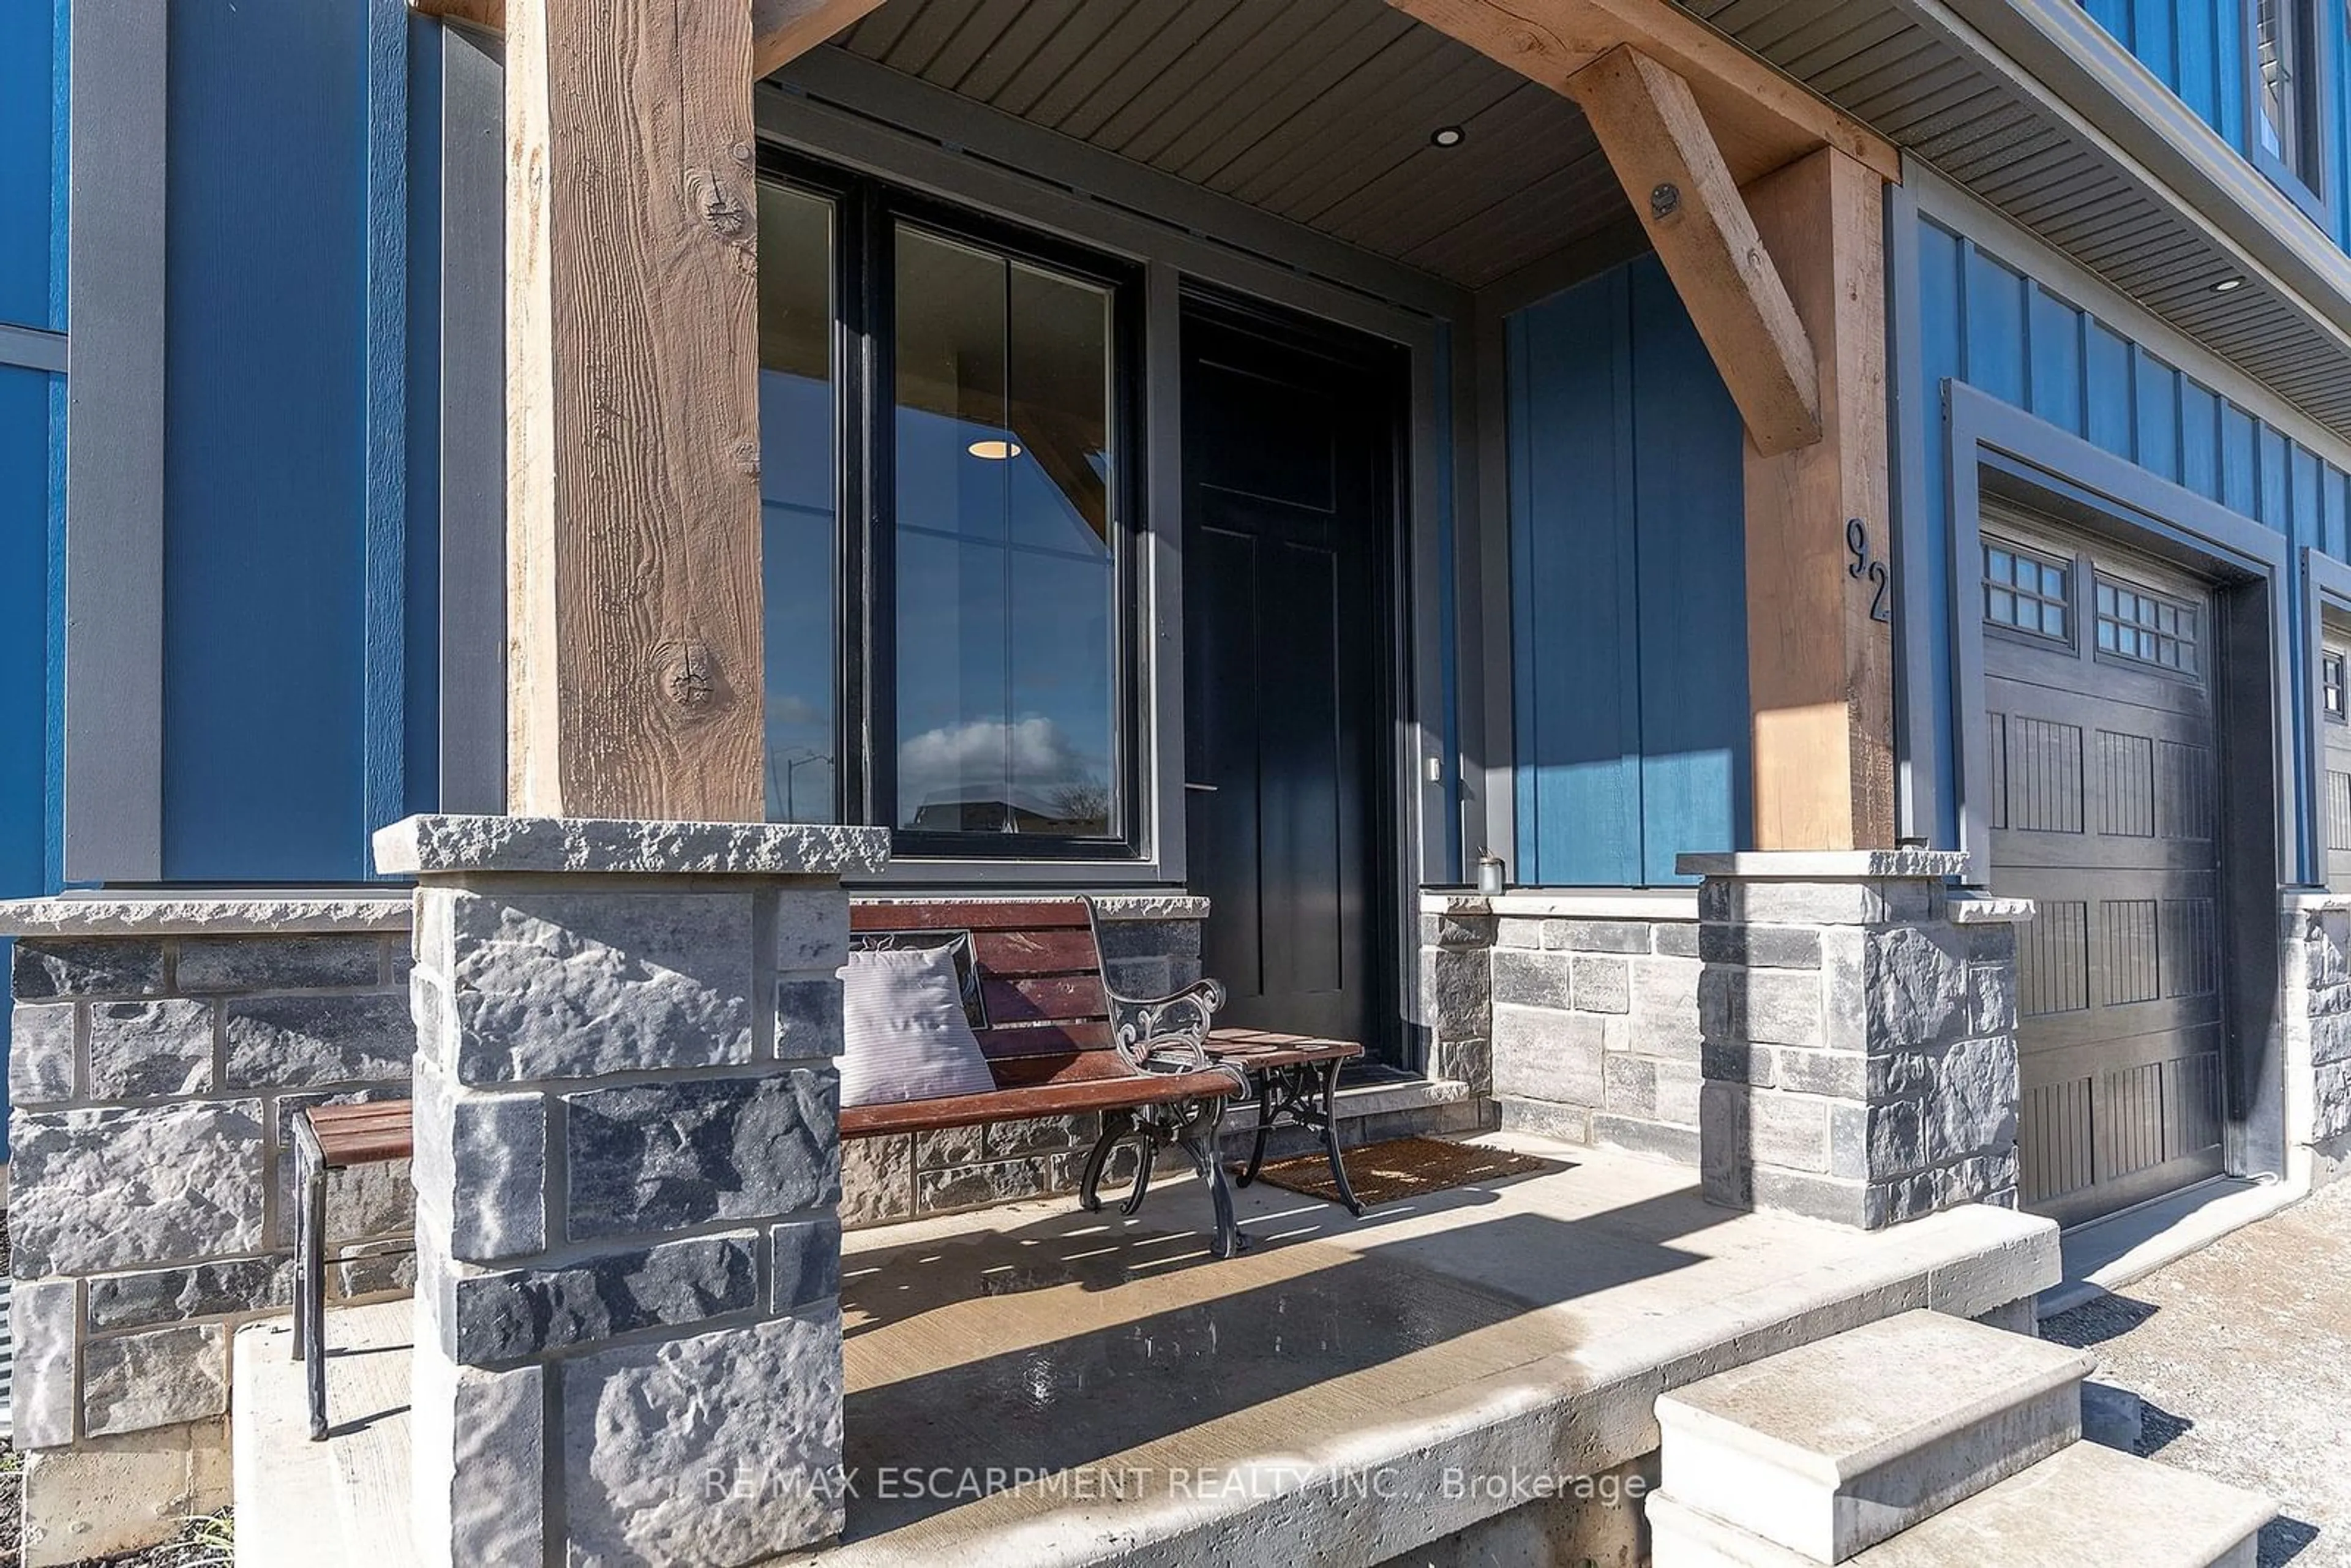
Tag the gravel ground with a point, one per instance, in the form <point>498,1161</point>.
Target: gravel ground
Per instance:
<point>205,1543</point>
<point>2242,1353</point>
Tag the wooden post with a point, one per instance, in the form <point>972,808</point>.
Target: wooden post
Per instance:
<point>1820,656</point>
<point>1648,124</point>
<point>635,677</point>
<point>780,29</point>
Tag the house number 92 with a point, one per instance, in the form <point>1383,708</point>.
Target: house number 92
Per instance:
<point>1866,567</point>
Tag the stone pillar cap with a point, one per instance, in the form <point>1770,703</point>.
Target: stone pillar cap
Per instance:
<point>426,845</point>
<point>205,912</point>
<point>1824,865</point>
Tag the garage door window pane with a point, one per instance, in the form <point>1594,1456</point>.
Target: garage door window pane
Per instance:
<point>2026,592</point>
<point>2136,624</point>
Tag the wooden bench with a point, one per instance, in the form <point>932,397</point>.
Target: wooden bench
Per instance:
<point>1061,1042</point>
<point>328,1138</point>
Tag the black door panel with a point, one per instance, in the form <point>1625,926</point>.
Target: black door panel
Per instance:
<point>1286,526</point>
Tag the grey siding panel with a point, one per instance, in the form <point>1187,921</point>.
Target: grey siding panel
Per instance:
<point>114,446</point>
<point>473,426</point>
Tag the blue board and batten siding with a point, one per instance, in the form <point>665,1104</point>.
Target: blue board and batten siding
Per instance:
<point>1628,614</point>
<point>1985,322</point>
<point>288,594</point>
<point>32,420</point>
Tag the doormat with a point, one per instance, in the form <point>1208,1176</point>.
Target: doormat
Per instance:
<point>1401,1168</point>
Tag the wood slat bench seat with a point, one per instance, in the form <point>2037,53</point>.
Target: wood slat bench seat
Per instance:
<point>1060,1041</point>
<point>1295,1079</point>
<point>1079,1082</point>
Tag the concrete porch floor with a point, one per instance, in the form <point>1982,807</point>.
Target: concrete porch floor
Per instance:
<point>1036,1386</point>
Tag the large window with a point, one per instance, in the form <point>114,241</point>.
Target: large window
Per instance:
<point>948,477</point>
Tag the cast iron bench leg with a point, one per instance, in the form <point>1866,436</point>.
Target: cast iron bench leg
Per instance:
<point>1198,1137</point>
<point>311,1290</point>
<point>1264,1126</point>
<point>1330,1138</point>
<point>1115,1126</point>
<point>1146,1153</point>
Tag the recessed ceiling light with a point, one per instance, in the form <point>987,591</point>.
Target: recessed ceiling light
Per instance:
<point>2228,286</point>
<point>1446,136</point>
<point>995,451</point>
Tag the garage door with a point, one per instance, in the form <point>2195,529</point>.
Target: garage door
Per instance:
<point>2105,811</point>
<point>2334,801</point>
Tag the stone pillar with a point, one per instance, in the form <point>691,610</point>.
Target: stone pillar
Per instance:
<point>1858,1035</point>
<point>2314,1019</point>
<point>1457,940</point>
<point>628,1172</point>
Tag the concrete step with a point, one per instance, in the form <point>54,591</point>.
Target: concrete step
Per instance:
<point>1833,1447</point>
<point>343,1503</point>
<point>2083,1507</point>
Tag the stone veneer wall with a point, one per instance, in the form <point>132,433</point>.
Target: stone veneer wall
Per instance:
<point>1578,1014</point>
<point>161,1047</point>
<point>2315,970</point>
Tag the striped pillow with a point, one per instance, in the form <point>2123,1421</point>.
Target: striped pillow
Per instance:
<point>905,1034</point>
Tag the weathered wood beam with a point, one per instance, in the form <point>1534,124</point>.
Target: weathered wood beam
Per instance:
<point>1648,124</point>
<point>780,29</point>
<point>490,16</point>
<point>1820,662</point>
<point>783,30</point>
<point>1762,119</point>
<point>634,625</point>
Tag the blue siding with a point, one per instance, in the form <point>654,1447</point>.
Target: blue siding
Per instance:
<point>24,646</point>
<point>1628,569</point>
<point>28,53</point>
<point>30,242</point>
<point>265,464</point>
<point>1986,323</point>
<point>2196,47</point>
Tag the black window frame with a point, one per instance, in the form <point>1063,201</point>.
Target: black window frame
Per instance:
<point>867,212</point>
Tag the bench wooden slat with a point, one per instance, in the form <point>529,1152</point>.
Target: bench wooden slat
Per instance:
<point>1054,998</point>
<point>1067,1067</point>
<point>1012,954</point>
<point>1054,1099</point>
<point>1047,1040</point>
<point>1256,1048</point>
<point>364,1133</point>
<point>1060,913</point>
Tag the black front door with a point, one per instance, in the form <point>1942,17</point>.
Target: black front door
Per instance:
<point>1287,522</point>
